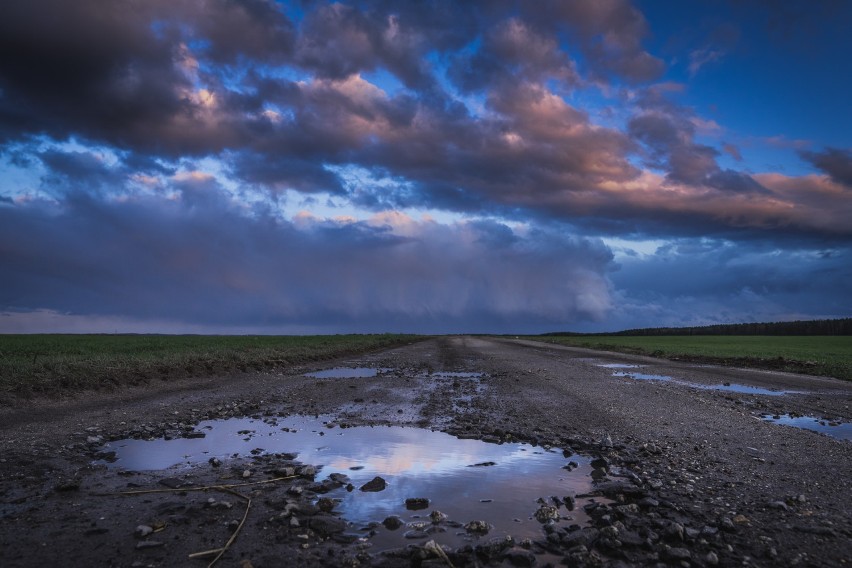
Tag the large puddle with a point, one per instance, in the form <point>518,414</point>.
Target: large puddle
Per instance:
<point>347,373</point>
<point>835,429</point>
<point>467,480</point>
<point>725,387</point>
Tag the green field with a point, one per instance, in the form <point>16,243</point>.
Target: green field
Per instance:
<point>814,355</point>
<point>48,364</point>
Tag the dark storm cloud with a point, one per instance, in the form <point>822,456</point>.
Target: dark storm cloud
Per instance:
<point>717,281</point>
<point>835,162</point>
<point>210,262</point>
<point>118,72</point>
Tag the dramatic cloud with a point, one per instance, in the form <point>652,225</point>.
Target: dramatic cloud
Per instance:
<point>212,262</point>
<point>835,162</point>
<point>275,160</point>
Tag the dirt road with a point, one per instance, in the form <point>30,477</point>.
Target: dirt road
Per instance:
<point>674,465</point>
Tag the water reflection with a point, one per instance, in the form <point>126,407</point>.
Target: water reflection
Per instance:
<point>726,387</point>
<point>839,430</point>
<point>414,462</point>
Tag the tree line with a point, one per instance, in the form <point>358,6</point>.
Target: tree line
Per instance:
<point>810,327</point>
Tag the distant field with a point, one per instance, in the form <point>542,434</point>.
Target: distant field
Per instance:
<point>814,355</point>
<point>47,364</point>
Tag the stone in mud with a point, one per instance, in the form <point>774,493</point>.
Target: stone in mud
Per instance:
<point>677,554</point>
<point>307,471</point>
<point>416,503</point>
<point>149,544</point>
<point>437,516</point>
<point>477,527</point>
<point>326,525</point>
<point>142,531</point>
<point>546,513</point>
<point>581,536</point>
<point>598,473</point>
<point>325,504</point>
<point>494,547</point>
<point>171,482</point>
<point>614,488</point>
<point>392,523</point>
<point>519,557</point>
<point>601,463</point>
<point>375,484</point>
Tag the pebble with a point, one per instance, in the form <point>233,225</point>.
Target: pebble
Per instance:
<point>148,544</point>
<point>142,531</point>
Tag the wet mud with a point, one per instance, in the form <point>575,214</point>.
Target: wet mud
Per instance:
<point>456,451</point>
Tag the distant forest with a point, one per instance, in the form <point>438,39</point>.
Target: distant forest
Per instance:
<point>813,327</point>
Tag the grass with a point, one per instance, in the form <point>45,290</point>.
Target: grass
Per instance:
<point>814,355</point>
<point>50,364</point>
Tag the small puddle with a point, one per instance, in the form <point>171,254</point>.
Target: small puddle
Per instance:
<point>617,366</point>
<point>466,480</point>
<point>727,387</point>
<point>835,429</point>
<point>347,373</point>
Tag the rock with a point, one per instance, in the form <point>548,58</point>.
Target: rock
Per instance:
<point>711,558</point>
<point>477,527</point>
<point>581,536</point>
<point>415,534</point>
<point>494,547</point>
<point>294,522</point>
<point>171,482</point>
<point>215,462</point>
<point>569,502</point>
<point>613,488</point>
<point>598,473</point>
<point>375,484</point>
<point>601,463</point>
<point>327,525</point>
<point>546,513</point>
<point>677,554</point>
<point>437,517</point>
<point>778,505</point>
<point>142,531</point>
<point>307,471</point>
<point>392,523</point>
<point>416,503</point>
<point>519,557</point>
<point>148,544</point>
<point>649,502</point>
<point>325,504</point>
<point>339,478</point>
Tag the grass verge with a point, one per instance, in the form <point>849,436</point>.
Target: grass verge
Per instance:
<point>53,364</point>
<point>829,356</point>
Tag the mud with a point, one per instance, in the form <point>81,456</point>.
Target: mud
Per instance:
<point>671,472</point>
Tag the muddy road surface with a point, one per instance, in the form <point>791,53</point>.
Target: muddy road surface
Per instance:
<point>455,451</point>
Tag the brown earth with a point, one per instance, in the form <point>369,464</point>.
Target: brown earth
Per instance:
<point>692,477</point>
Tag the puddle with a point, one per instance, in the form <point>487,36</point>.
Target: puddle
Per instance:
<point>839,430</point>
<point>450,375</point>
<point>727,387</point>
<point>617,366</point>
<point>464,479</point>
<point>347,373</point>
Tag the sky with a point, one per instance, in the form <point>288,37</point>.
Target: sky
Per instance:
<point>213,166</point>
